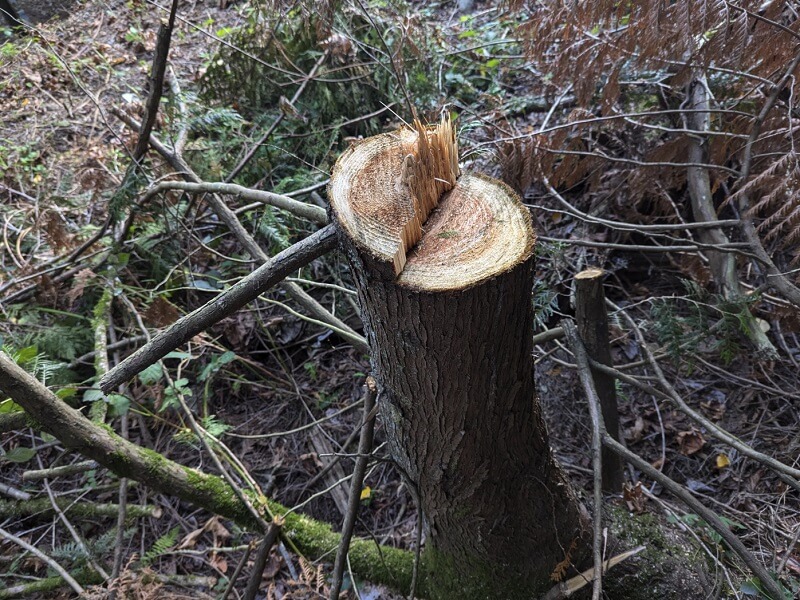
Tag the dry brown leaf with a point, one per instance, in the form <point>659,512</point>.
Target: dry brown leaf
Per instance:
<point>190,540</point>
<point>690,442</point>
<point>82,279</point>
<point>633,496</point>
<point>161,313</point>
<point>218,530</point>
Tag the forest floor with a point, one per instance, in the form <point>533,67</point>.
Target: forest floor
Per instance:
<point>62,159</point>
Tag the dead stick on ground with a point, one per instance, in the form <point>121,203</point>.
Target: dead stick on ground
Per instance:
<point>709,516</point>
<point>46,559</point>
<point>262,554</point>
<point>238,571</point>
<point>598,430</point>
<point>364,449</point>
<point>671,394</point>
<point>75,535</point>
<point>246,290</point>
<point>53,472</point>
<point>380,564</point>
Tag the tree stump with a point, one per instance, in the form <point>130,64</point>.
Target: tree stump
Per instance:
<point>592,318</point>
<point>450,340</point>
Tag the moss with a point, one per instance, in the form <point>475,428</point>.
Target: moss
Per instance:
<point>317,540</point>
<point>222,495</point>
<point>155,462</point>
<point>121,459</point>
<point>670,568</point>
<point>446,580</point>
<point>84,577</point>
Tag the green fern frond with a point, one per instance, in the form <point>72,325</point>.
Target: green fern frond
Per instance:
<point>161,546</point>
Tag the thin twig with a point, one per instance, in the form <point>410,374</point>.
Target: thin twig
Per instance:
<point>364,449</point>
<point>157,73</point>
<point>249,155</point>
<point>238,571</point>
<point>262,554</point>
<point>75,536</point>
<point>598,430</point>
<point>671,394</point>
<point>706,514</point>
<point>44,558</point>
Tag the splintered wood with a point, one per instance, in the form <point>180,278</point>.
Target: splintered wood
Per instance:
<point>429,170</point>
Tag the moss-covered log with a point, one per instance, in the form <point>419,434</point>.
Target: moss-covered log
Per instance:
<point>83,510</point>
<point>380,564</point>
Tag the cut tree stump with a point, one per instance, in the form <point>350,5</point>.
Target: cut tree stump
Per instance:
<point>592,318</point>
<point>450,340</point>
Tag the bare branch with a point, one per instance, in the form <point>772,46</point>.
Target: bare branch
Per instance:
<point>246,290</point>
<point>313,213</point>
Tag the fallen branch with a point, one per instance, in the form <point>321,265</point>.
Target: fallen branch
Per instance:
<point>566,588</point>
<point>723,264</point>
<point>310,212</point>
<point>229,218</point>
<point>262,554</point>
<point>246,290</point>
<point>364,450</point>
<point>598,430</point>
<point>87,510</point>
<point>709,516</point>
<point>314,539</point>
<point>791,474</point>
<point>45,559</point>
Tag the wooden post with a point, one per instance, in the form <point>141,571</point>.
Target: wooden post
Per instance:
<point>450,341</point>
<point>592,318</point>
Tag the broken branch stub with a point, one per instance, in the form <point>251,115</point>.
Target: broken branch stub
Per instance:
<point>400,197</point>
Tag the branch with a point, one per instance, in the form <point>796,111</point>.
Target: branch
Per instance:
<point>790,473</point>
<point>598,430</point>
<point>364,450</point>
<point>249,155</point>
<point>156,83</point>
<point>709,516</point>
<point>310,212</point>
<point>46,559</point>
<point>229,218</point>
<point>379,564</point>
<point>262,554</point>
<point>774,276</point>
<point>723,265</point>
<point>246,290</point>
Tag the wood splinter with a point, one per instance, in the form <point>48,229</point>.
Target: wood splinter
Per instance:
<point>429,170</point>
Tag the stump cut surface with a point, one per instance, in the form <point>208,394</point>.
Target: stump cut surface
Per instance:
<point>479,230</point>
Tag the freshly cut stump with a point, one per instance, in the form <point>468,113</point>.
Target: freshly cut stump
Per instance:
<point>450,338</point>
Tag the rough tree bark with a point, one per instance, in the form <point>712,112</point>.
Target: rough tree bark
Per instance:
<point>451,347</point>
<point>592,320</point>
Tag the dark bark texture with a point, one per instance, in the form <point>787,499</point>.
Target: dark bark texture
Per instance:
<point>592,318</point>
<point>458,401</point>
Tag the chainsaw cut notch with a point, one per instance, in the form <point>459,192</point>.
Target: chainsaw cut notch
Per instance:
<point>430,169</point>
